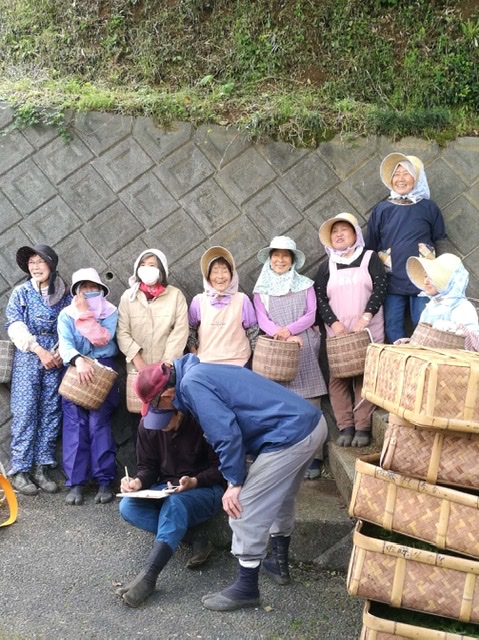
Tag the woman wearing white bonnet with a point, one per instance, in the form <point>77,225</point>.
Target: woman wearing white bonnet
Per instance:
<point>285,304</point>
<point>153,315</point>
<point>405,224</point>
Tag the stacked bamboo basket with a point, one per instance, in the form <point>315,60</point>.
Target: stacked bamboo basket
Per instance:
<point>421,486</point>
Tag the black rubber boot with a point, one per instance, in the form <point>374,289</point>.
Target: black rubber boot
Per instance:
<point>361,439</point>
<point>242,593</point>
<point>104,494</point>
<point>75,495</point>
<point>201,551</point>
<point>346,437</point>
<point>275,565</point>
<point>41,479</point>
<point>139,589</point>
<point>21,482</point>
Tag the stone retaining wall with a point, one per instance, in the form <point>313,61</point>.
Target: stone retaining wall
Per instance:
<point>123,185</point>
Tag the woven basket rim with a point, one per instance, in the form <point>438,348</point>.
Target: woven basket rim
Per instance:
<point>353,334</point>
<point>291,346</point>
<point>393,549</point>
<point>422,420</point>
<point>366,466</point>
<point>469,432</point>
<point>427,333</point>
<point>403,629</point>
<point>428,354</point>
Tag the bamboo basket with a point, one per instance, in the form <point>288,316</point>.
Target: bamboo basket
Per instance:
<point>6,360</point>
<point>89,396</point>
<point>412,578</point>
<point>425,336</point>
<point>446,518</point>
<point>276,359</point>
<point>376,628</point>
<point>428,387</point>
<point>347,354</point>
<point>435,456</point>
<point>133,402</point>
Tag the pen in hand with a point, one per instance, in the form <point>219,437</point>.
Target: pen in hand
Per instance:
<point>127,478</point>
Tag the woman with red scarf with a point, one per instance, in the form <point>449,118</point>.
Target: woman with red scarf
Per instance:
<point>152,314</point>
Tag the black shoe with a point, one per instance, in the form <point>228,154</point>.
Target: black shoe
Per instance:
<point>21,482</point>
<point>40,478</point>
<point>75,495</point>
<point>202,549</point>
<point>104,494</point>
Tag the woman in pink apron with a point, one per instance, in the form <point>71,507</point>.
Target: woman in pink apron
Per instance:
<point>350,290</point>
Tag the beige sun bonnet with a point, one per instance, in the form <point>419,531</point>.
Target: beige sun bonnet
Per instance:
<point>212,254</point>
<point>438,270</point>
<point>392,160</point>
<point>325,228</point>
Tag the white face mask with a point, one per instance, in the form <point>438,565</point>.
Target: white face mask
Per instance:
<point>149,275</point>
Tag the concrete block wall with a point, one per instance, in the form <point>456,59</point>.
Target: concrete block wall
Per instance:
<point>123,185</point>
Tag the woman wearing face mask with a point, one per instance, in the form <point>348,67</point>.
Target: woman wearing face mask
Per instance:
<point>153,315</point>
<point>87,328</point>
<point>32,313</point>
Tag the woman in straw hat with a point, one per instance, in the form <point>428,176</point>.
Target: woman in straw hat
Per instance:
<point>285,304</point>
<point>407,224</point>
<point>32,312</point>
<point>444,281</point>
<point>87,328</point>
<point>223,325</point>
<point>350,289</point>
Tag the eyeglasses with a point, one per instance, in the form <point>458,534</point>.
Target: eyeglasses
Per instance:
<point>155,401</point>
<point>35,263</point>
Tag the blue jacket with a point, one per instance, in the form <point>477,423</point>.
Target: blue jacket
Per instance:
<point>73,343</point>
<point>241,412</point>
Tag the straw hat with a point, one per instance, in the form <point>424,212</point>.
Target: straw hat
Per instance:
<point>391,161</point>
<point>87,275</point>
<point>325,228</point>
<point>283,242</point>
<point>212,254</point>
<point>439,270</point>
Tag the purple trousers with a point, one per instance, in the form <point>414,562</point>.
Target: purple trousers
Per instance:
<point>89,448</point>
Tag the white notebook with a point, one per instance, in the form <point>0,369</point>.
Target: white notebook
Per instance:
<point>147,493</point>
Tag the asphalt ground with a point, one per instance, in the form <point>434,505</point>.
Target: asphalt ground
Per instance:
<point>60,566</point>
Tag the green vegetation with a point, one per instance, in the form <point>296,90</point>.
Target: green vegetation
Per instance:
<point>425,620</point>
<point>297,70</point>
